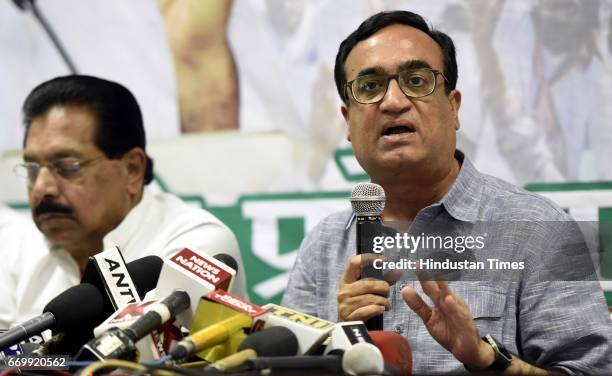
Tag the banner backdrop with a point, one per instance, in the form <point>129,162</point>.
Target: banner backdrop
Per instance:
<point>242,114</point>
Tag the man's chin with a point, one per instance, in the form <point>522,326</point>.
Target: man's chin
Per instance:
<point>58,236</point>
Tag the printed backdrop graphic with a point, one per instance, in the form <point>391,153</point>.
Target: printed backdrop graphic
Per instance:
<point>242,114</point>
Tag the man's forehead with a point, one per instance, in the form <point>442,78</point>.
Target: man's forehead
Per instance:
<point>61,130</point>
<point>391,47</point>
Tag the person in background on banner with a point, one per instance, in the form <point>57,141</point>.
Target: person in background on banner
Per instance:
<point>397,78</point>
<point>86,169</point>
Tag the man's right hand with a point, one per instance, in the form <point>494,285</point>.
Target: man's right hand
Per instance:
<point>361,299</point>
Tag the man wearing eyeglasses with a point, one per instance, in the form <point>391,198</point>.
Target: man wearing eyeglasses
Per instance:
<point>86,170</point>
<point>396,77</point>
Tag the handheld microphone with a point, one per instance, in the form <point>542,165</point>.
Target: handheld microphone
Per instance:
<point>395,350</point>
<point>368,202</point>
<point>197,274</point>
<point>120,343</point>
<point>273,341</point>
<point>64,313</point>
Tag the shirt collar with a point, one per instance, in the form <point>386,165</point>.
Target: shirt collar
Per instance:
<point>462,199</point>
<point>132,222</point>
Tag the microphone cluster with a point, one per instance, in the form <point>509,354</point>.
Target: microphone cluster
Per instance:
<point>177,314</point>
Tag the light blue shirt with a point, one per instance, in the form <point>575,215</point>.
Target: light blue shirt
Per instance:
<point>546,322</point>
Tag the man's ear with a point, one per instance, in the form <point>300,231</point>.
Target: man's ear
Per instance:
<point>345,114</point>
<point>455,102</point>
<point>135,162</point>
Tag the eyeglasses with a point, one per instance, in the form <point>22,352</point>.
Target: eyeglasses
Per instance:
<point>414,83</point>
<point>67,168</point>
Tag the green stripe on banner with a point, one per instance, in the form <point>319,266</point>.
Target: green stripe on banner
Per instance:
<point>563,187</point>
<point>608,295</point>
<point>605,242</point>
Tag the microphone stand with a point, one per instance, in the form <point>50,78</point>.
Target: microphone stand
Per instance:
<point>26,5</point>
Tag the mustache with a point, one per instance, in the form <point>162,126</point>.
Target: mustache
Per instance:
<point>49,207</point>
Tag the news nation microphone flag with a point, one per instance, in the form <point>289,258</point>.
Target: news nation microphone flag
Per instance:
<point>197,274</point>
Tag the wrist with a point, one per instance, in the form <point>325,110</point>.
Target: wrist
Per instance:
<point>498,361</point>
<point>485,358</point>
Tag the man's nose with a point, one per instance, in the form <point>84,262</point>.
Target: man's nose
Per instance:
<point>45,184</point>
<point>395,100</point>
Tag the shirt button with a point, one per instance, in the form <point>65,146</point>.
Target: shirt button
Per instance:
<point>398,329</point>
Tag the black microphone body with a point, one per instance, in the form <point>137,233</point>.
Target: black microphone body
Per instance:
<point>175,303</point>
<point>60,314</point>
<point>366,228</point>
<point>124,340</point>
<point>368,202</point>
<point>25,330</point>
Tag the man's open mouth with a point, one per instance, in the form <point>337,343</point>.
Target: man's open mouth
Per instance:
<point>400,129</point>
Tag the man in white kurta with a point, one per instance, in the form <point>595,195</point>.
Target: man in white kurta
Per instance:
<point>86,169</point>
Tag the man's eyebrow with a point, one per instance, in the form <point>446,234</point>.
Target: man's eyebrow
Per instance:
<point>57,155</point>
<point>372,70</point>
<point>410,64</point>
<point>414,64</point>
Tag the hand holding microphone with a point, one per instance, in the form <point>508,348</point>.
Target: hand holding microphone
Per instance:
<point>360,299</point>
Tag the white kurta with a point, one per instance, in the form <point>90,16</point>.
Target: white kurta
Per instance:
<point>32,274</point>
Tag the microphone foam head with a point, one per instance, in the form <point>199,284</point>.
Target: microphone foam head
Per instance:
<point>272,341</point>
<point>395,349</point>
<point>80,306</point>
<point>368,199</point>
<point>227,260</point>
<point>363,359</point>
<point>145,273</point>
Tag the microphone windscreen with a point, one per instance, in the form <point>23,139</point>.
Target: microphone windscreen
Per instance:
<point>79,306</point>
<point>227,260</point>
<point>363,358</point>
<point>395,349</point>
<point>145,273</point>
<point>273,341</point>
<point>368,199</point>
